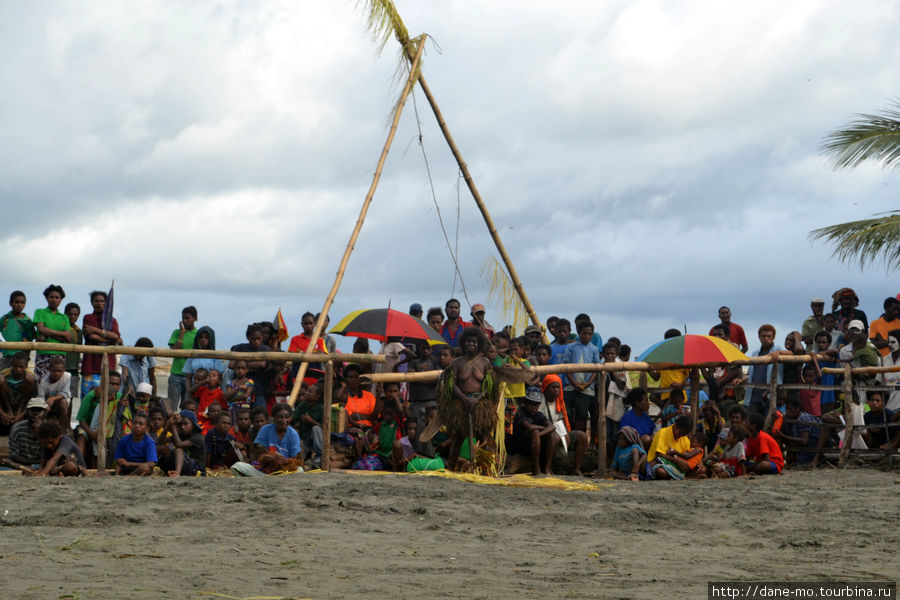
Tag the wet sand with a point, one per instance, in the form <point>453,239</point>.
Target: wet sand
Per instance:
<point>338,535</point>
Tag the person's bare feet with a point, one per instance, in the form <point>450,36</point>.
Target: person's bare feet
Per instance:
<point>174,474</point>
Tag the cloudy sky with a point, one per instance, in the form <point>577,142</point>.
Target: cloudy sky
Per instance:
<point>645,162</point>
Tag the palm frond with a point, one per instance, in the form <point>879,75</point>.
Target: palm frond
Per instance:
<point>501,291</point>
<point>384,21</point>
<point>869,137</point>
<point>865,241</point>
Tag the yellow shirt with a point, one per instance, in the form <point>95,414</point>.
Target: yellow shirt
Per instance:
<point>665,439</point>
<point>667,378</point>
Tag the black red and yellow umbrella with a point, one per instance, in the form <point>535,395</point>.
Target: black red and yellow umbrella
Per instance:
<point>386,325</point>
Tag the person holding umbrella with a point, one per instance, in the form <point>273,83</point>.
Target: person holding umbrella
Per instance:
<point>96,333</point>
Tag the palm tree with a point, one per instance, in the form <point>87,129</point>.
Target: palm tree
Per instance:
<point>868,137</point>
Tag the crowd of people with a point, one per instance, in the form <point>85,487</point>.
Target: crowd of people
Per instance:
<point>216,413</point>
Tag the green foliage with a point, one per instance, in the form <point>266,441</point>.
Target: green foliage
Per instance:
<point>869,137</point>
<point>865,241</point>
<point>502,292</point>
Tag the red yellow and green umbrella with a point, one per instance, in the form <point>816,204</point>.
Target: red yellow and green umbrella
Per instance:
<point>692,349</point>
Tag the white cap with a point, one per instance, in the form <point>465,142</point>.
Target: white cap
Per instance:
<point>37,403</point>
<point>144,388</point>
<point>856,324</point>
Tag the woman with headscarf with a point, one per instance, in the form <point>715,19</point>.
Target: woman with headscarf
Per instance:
<point>630,458</point>
<point>551,386</point>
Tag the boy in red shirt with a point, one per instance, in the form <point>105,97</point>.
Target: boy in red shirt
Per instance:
<point>763,452</point>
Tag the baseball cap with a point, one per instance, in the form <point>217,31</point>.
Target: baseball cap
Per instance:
<point>477,308</point>
<point>415,308</point>
<point>190,416</point>
<point>37,403</point>
<point>817,301</point>
<point>532,329</point>
<point>534,395</point>
<point>856,324</point>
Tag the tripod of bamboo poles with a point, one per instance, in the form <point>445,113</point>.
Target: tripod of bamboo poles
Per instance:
<point>320,322</point>
<point>385,20</point>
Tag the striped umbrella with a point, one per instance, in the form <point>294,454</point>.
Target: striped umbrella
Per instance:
<point>386,325</point>
<point>692,349</point>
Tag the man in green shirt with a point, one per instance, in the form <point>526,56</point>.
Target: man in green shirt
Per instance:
<point>52,327</point>
<point>15,326</point>
<point>183,337</point>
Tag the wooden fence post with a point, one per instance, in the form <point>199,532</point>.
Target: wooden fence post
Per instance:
<point>103,408</point>
<point>773,393</point>
<point>848,415</point>
<point>326,416</point>
<point>695,397</point>
<point>601,424</point>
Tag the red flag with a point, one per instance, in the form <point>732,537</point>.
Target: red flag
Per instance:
<point>281,330</point>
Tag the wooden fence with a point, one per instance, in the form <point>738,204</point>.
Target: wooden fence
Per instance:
<point>846,388</point>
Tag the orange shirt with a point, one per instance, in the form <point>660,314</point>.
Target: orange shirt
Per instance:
<point>364,404</point>
<point>883,327</point>
<point>763,443</point>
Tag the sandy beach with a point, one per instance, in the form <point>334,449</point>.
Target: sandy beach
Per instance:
<point>320,535</point>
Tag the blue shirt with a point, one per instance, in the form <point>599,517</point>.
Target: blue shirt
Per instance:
<point>138,452</point>
<point>288,446</point>
<point>643,424</point>
<point>556,352</point>
<point>193,364</point>
<point>138,369</point>
<point>451,339</point>
<point>577,353</point>
<point>753,376</point>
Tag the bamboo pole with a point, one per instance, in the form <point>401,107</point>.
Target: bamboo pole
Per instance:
<point>320,322</point>
<point>695,397</point>
<point>601,424</point>
<point>773,392</point>
<point>326,416</point>
<point>103,408</point>
<point>848,415</point>
<point>178,353</point>
<point>470,182</point>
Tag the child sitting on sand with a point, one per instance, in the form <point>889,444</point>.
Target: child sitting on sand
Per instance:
<point>387,431</point>
<point>136,452</point>
<point>763,453</point>
<point>59,454</point>
<point>219,452</point>
<point>671,438</point>
<point>240,431</point>
<point>804,433</point>
<point>690,463</point>
<point>727,458</point>
<point>188,456</point>
<point>630,458</point>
